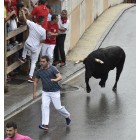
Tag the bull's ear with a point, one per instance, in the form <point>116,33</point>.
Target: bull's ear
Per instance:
<point>99,61</point>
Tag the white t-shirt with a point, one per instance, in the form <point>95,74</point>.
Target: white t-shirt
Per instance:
<point>65,25</point>
<point>13,24</point>
<point>49,17</point>
<point>36,34</point>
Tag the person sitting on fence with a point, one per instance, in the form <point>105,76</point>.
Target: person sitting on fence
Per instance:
<point>32,44</point>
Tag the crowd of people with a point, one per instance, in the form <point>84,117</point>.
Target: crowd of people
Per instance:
<point>47,31</point>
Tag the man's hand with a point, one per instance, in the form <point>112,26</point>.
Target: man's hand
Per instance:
<point>22,11</point>
<point>13,12</point>
<point>34,95</point>
<point>49,34</point>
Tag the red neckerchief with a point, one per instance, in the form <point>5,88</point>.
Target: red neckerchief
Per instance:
<point>64,19</point>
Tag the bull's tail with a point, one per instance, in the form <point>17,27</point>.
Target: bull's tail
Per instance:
<point>79,61</point>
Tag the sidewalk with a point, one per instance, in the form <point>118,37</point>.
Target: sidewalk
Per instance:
<point>20,95</point>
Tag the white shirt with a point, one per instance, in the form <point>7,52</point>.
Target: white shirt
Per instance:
<point>49,17</point>
<point>65,25</point>
<point>36,34</point>
<point>13,24</point>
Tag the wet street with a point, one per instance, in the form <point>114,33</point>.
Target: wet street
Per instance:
<point>101,114</point>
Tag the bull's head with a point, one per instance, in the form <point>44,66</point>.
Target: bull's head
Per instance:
<point>99,61</point>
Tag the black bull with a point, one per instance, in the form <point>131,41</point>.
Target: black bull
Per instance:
<point>99,62</point>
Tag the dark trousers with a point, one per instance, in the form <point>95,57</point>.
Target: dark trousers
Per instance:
<point>59,48</point>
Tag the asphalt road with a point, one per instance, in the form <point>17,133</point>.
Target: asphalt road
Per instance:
<point>101,114</point>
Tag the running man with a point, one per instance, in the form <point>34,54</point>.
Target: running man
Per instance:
<point>49,76</point>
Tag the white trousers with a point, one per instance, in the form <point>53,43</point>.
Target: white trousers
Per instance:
<point>48,49</point>
<point>47,97</point>
<point>34,56</point>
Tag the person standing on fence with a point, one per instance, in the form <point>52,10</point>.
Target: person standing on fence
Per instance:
<point>49,76</point>
<point>12,134</point>
<point>48,48</point>
<point>40,10</point>
<point>32,44</point>
<point>59,48</point>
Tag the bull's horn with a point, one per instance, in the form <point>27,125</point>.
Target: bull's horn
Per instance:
<point>99,61</point>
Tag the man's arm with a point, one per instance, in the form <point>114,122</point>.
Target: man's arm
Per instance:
<point>29,15</point>
<point>52,34</point>
<point>9,16</point>
<point>28,22</point>
<point>62,29</point>
<point>35,87</point>
<point>23,15</point>
<point>58,78</point>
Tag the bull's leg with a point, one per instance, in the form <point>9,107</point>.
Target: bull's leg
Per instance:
<point>87,85</point>
<point>119,70</point>
<point>103,80</point>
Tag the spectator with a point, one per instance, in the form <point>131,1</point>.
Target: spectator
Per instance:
<point>41,10</point>
<point>48,48</point>
<point>59,48</point>
<point>14,20</point>
<point>49,76</point>
<point>11,21</point>
<point>12,133</point>
<point>14,5</point>
<point>36,34</point>
<point>7,15</point>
